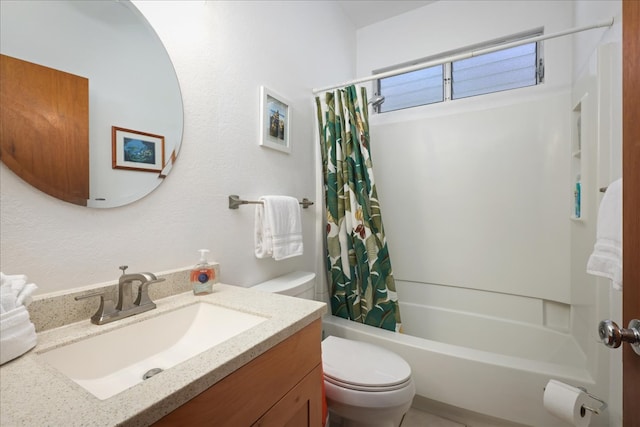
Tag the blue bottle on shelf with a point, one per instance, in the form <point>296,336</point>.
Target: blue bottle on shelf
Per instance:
<point>577,197</point>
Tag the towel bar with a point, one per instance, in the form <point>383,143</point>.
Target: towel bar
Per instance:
<point>235,202</point>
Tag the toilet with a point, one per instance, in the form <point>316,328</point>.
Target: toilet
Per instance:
<point>366,385</point>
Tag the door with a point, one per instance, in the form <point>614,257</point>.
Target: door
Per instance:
<point>631,203</point>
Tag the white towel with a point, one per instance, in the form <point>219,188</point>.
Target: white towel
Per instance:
<point>14,291</point>
<point>17,334</point>
<point>606,259</point>
<point>278,228</point>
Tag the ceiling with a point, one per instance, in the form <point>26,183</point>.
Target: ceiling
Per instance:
<point>367,12</point>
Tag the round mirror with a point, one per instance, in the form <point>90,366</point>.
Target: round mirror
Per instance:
<point>135,115</point>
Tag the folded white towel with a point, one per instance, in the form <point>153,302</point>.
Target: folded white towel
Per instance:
<point>24,295</point>
<point>14,291</point>
<point>606,259</point>
<point>278,228</point>
<point>17,334</point>
<point>10,278</point>
<point>8,298</point>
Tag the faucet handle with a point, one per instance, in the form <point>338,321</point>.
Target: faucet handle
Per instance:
<point>106,310</point>
<point>123,268</point>
<point>143,298</point>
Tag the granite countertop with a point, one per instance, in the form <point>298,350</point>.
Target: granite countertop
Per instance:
<point>33,393</point>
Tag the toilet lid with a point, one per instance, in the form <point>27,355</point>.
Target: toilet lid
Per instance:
<point>362,364</point>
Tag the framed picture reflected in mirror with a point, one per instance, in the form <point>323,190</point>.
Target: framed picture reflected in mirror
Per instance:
<point>135,150</point>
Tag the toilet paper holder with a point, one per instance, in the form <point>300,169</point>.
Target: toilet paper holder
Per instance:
<point>597,411</point>
<point>585,408</point>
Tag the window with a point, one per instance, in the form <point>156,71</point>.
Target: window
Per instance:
<point>420,87</point>
<point>496,71</point>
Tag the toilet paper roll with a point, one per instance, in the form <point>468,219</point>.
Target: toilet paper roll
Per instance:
<point>566,402</point>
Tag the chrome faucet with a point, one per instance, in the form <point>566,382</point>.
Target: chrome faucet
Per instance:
<point>109,310</point>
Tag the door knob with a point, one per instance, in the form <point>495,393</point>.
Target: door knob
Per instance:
<point>613,336</point>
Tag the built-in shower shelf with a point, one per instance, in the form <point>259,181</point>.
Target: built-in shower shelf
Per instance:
<point>576,166</point>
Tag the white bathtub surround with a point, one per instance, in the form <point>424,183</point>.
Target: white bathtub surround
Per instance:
<point>56,400</point>
<point>493,200</point>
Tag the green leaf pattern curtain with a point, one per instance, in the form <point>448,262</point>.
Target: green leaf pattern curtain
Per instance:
<point>358,264</point>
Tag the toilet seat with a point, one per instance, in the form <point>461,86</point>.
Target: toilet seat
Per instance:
<point>359,387</point>
<point>362,366</point>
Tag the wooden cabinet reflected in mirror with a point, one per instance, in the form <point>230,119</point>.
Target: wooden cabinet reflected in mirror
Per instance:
<point>39,104</point>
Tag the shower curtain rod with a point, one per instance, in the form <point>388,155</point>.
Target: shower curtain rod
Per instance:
<point>470,54</point>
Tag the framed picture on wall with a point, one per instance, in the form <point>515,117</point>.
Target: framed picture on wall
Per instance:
<point>275,121</point>
<point>135,150</point>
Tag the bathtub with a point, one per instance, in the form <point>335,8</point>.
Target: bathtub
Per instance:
<point>485,364</point>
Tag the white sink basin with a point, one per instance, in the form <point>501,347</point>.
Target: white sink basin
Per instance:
<point>112,362</point>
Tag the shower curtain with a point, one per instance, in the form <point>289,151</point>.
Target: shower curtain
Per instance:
<point>362,287</point>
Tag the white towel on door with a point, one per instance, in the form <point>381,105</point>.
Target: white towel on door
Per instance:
<point>606,259</point>
<point>278,228</point>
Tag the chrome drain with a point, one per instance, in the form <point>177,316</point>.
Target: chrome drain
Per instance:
<point>151,372</point>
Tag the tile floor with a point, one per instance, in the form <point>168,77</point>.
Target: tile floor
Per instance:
<point>416,418</point>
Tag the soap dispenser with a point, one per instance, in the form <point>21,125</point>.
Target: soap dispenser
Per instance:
<point>202,275</point>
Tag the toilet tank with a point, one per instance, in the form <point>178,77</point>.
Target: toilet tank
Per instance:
<point>297,284</point>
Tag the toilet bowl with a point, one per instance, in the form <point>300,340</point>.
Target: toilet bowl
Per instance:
<point>366,385</point>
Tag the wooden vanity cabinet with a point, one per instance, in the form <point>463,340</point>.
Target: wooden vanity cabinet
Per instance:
<point>280,388</point>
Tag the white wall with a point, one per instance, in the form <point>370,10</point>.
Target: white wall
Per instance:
<point>222,51</point>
